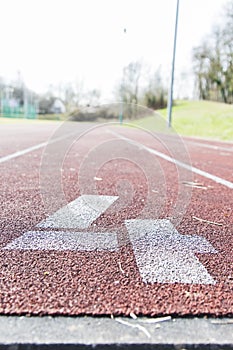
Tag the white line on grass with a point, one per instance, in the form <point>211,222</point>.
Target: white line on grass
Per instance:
<point>177,162</point>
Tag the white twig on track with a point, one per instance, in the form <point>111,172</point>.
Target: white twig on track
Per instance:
<point>138,326</point>
<point>207,221</point>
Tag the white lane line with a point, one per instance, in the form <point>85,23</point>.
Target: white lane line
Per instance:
<point>177,162</point>
<point>165,256</point>
<point>60,241</point>
<point>21,153</point>
<point>80,213</point>
<point>214,147</point>
<point>33,148</point>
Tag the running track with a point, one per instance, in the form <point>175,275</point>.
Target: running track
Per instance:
<point>114,220</point>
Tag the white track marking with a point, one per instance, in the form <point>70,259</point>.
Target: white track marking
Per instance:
<point>33,148</point>
<point>165,256</point>
<point>177,162</point>
<point>60,241</point>
<point>21,153</point>
<point>80,213</point>
<point>214,147</point>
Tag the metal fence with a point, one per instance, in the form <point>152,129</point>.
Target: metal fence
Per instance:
<point>10,109</point>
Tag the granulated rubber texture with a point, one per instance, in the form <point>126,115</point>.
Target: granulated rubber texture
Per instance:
<point>104,283</point>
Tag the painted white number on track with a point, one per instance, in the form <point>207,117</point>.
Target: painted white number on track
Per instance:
<point>162,254</point>
<point>165,256</point>
<point>58,240</point>
<point>80,213</point>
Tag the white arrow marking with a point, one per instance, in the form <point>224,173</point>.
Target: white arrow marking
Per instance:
<point>165,256</point>
<point>80,213</point>
<point>52,240</point>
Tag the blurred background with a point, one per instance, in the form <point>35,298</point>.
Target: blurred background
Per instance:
<point>61,57</point>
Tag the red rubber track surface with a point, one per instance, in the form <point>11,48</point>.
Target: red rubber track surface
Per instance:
<point>97,283</point>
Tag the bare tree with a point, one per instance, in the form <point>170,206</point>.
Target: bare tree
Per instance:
<point>155,95</point>
<point>213,61</point>
<point>92,97</point>
<point>128,89</point>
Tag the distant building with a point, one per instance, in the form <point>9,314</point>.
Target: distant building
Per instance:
<point>51,105</point>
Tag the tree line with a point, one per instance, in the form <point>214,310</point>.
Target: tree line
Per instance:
<point>138,85</point>
<point>213,61</point>
<point>70,94</point>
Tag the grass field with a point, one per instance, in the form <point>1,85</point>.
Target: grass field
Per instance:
<point>197,118</point>
<point>191,118</point>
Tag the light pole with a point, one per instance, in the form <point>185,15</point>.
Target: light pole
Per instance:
<point>170,97</point>
<point>25,101</point>
<point>122,92</point>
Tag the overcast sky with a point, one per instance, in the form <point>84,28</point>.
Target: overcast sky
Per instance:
<point>50,41</point>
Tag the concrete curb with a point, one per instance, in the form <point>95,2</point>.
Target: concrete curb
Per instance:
<point>17,333</point>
